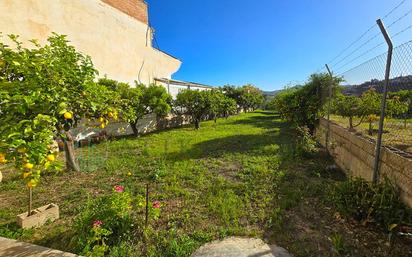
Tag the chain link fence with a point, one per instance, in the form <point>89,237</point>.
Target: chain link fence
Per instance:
<point>380,87</point>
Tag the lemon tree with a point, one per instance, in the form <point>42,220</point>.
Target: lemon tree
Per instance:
<point>136,102</point>
<point>193,103</point>
<point>44,92</point>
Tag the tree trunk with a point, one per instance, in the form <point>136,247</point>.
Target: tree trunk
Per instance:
<point>29,212</point>
<point>134,128</point>
<point>351,124</point>
<point>197,124</point>
<point>71,163</point>
<point>370,129</point>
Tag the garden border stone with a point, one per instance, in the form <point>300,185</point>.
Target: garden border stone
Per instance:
<point>49,212</point>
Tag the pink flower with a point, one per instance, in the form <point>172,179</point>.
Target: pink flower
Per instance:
<point>97,223</point>
<point>156,204</point>
<point>119,189</point>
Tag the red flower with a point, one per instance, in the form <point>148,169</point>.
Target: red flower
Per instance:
<point>119,189</point>
<point>156,204</point>
<point>97,223</point>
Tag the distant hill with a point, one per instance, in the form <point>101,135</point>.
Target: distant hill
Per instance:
<point>271,93</point>
<point>396,84</point>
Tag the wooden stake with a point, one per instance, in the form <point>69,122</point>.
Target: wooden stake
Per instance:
<point>30,201</point>
<point>147,205</point>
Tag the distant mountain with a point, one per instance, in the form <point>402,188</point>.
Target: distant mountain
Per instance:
<point>395,84</point>
<point>270,93</point>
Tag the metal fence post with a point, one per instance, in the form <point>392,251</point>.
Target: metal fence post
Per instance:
<point>329,107</point>
<point>388,40</point>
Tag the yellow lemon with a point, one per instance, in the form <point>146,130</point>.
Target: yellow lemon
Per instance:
<point>2,158</point>
<point>68,115</point>
<point>3,161</point>
<point>110,114</point>
<point>102,125</point>
<point>129,173</point>
<point>101,119</point>
<point>51,157</point>
<point>28,166</point>
<point>26,174</point>
<point>32,183</point>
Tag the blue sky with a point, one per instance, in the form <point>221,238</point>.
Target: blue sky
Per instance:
<point>269,43</point>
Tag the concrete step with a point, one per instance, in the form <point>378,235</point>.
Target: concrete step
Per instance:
<point>14,248</point>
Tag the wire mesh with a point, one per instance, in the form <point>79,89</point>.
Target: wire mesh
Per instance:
<point>369,77</point>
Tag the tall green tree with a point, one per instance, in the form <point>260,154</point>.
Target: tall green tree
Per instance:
<point>234,93</point>
<point>139,101</point>
<point>348,107</point>
<point>251,98</point>
<point>228,107</point>
<point>193,103</point>
<point>215,100</point>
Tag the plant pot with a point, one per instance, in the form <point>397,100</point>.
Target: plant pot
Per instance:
<point>39,216</point>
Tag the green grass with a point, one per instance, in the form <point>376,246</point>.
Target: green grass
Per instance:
<point>239,177</point>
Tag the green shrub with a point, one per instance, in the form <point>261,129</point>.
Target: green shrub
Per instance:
<point>379,204</point>
<point>302,104</point>
<point>104,222</point>
<point>305,143</point>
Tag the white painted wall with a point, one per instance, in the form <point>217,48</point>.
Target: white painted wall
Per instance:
<point>120,46</point>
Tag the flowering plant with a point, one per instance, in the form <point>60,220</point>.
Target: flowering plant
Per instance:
<point>97,223</point>
<point>155,210</point>
<point>156,204</point>
<point>119,189</point>
<point>104,222</point>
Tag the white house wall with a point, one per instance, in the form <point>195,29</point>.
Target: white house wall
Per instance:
<point>120,45</point>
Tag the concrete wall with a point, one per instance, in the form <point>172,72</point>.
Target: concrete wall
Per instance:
<point>355,155</point>
<point>115,36</point>
<point>147,124</point>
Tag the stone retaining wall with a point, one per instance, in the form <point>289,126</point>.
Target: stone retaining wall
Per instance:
<point>356,154</point>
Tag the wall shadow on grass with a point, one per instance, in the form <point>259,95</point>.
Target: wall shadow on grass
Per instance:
<point>252,144</point>
<point>266,121</point>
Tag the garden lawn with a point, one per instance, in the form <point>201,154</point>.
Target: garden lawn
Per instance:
<point>240,176</point>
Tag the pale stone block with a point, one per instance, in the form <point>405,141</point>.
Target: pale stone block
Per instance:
<point>41,215</point>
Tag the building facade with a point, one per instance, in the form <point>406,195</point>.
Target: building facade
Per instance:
<point>115,33</point>
<point>173,87</point>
